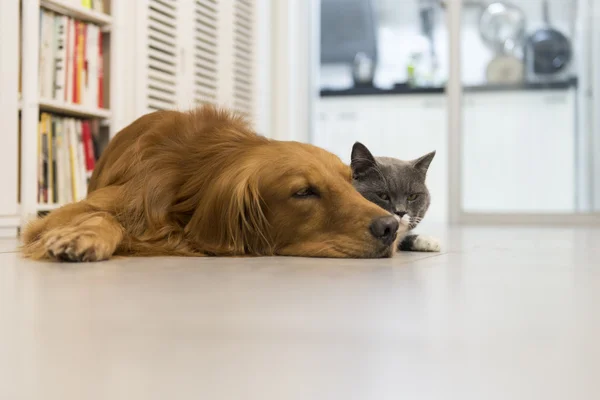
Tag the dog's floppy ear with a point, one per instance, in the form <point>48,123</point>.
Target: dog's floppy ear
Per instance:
<point>247,225</point>
<point>230,220</point>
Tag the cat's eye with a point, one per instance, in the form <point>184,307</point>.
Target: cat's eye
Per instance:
<point>306,193</point>
<point>413,197</point>
<point>383,196</point>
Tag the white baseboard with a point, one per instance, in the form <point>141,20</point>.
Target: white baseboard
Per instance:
<point>8,233</point>
<point>9,226</point>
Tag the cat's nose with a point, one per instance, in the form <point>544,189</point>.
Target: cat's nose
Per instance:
<point>400,213</point>
<point>385,229</point>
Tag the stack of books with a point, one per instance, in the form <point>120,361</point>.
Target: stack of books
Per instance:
<point>67,153</point>
<point>71,60</point>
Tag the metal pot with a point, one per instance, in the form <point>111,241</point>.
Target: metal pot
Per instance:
<point>502,27</point>
<point>548,50</point>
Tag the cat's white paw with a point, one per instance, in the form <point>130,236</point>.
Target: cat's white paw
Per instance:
<point>426,243</point>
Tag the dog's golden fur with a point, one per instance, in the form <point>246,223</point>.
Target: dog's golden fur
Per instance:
<point>203,183</point>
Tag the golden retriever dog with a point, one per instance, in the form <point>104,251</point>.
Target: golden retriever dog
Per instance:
<point>203,183</point>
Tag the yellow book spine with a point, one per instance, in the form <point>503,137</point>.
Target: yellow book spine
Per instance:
<point>40,163</point>
<point>72,159</point>
<point>50,160</point>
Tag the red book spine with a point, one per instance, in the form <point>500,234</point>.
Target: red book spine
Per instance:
<point>100,72</point>
<point>88,146</point>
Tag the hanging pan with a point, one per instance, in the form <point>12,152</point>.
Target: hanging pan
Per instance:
<point>549,49</point>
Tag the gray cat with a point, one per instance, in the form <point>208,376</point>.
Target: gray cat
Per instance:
<point>398,187</point>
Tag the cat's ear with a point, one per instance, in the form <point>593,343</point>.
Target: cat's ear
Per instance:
<point>361,160</point>
<point>422,163</point>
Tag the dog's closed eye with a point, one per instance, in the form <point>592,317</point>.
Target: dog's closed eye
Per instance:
<point>307,192</point>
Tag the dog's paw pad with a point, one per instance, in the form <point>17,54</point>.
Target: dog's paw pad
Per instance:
<point>76,246</point>
<point>426,243</point>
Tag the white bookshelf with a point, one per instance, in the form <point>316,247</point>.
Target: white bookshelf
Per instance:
<point>47,207</point>
<point>31,104</point>
<point>157,54</point>
<point>72,110</point>
<point>72,9</point>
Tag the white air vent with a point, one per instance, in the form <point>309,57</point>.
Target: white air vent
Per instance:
<point>162,54</point>
<point>206,52</point>
<point>243,74</point>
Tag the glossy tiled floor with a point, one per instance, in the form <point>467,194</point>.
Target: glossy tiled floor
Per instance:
<point>502,313</point>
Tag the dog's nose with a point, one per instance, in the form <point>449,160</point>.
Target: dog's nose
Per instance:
<point>400,213</point>
<point>385,229</point>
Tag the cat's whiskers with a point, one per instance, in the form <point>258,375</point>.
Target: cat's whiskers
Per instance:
<point>414,221</point>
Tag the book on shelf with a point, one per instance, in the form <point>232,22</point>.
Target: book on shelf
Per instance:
<point>100,72</point>
<point>60,56</point>
<point>66,157</point>
<point>79,61</point>
<point>42,160</point>
<point>96,5</point>
<point>46,75</point>
<point>71,60</point>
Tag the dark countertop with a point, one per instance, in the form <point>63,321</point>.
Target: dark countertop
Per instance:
<point>405,89</point>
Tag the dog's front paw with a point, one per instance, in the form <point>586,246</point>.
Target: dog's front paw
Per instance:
<point>426,243</point>
<point>77,245</point>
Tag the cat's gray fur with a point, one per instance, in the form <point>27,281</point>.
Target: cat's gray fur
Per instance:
<point>397,186</point>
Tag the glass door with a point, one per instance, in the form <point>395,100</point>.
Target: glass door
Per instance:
<point>382,77</point>
<point>523,136</point>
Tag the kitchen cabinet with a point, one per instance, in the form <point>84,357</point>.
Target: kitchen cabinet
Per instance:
<point>518,146</point>
<point>518,152</point>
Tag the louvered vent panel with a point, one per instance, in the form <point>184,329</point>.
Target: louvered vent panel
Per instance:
<point>162,54</point>
<point>243,73</point>
<point>205,51</point>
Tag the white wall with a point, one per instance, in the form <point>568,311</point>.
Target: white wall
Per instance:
<point>9,66</point>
